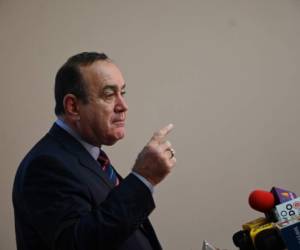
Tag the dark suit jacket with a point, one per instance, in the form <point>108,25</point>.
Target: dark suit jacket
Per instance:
<point>63,200</point>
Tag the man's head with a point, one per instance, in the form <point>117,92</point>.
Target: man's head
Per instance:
<point>89,94</point>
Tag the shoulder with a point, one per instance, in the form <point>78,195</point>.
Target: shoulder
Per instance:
<point>48,158</point>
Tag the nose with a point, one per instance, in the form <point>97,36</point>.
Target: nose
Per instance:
<point>121,105</point>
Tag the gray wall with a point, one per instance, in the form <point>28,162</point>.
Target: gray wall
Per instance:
<point>225,72</point>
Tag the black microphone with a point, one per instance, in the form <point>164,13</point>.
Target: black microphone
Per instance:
<point>242,240</point>
<point>269,239</point>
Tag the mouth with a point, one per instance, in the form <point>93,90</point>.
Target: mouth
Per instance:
<point>119,123</point>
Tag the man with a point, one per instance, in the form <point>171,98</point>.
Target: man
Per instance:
<point>66,194</point>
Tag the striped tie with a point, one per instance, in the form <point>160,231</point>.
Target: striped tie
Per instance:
<point>108,168</point>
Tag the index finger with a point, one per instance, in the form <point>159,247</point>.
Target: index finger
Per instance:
<point>162,133</point>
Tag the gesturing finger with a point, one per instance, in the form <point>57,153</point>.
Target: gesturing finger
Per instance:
<point>162,133</point>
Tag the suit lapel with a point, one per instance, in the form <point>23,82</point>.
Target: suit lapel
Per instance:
<point>74,147</point>
<point>87,161</point>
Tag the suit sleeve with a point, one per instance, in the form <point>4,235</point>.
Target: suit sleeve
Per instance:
<point>58,206</point>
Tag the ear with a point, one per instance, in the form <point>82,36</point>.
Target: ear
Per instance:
<point>71,107</point>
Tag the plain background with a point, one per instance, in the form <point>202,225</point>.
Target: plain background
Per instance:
<point>225,72</point>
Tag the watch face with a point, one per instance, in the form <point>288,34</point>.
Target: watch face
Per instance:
<point>207,246</point>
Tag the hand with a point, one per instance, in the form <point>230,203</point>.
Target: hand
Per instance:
<point>157,158</point>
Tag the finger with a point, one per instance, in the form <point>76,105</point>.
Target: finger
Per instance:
<point>165,146</point>
<point>162,133</point>
<point>172,161</point>
<point>173,151</point>
<point>169,153</point>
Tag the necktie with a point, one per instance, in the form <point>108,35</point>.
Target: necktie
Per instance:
<point>107,168</point>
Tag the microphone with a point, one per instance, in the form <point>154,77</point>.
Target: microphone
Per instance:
<point>254,223</point>
<point>290,233</point>
<point>208,246</point>
<point>266,202</point>
<point>261,201</point>
<point>271,233</point>
<point>266,237</point>
<point>242,240</point>
<point>263,237</point>
<point>282,195</point>
<point>287,210</point>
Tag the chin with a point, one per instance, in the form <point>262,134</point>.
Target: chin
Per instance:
<point>120,136</point>
<point>111,140</point>
<point>119,133</point>
<point>109,143</point>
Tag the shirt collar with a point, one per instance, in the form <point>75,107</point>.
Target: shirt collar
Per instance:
<point>94,151</point>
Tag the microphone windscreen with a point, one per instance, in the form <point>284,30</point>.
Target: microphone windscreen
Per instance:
<point>261,201</point>
<point>242,240</point>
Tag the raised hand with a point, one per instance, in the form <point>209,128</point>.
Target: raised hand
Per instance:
<point>157,158</point>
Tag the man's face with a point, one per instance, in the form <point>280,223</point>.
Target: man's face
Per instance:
<point>102,119</point>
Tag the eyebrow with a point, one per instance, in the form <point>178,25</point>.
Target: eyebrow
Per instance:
<point>113,87</point>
